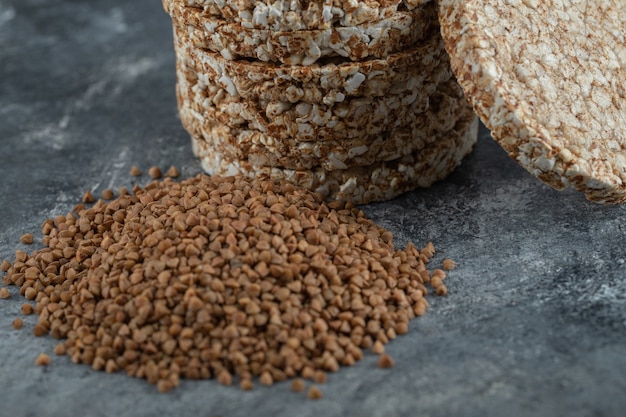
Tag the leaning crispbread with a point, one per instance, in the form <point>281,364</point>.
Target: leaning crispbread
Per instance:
<point>376,182</point>
<point>292,153</point>
<point>549,79</point>
<point>328,83</point>
<point>290,15</point>
<point>354,117</point>
<point>376,39</point>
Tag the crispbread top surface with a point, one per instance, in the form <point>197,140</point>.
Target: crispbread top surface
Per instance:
<point>233,39</point>
<point>549,79</point>
<point>300,14</point>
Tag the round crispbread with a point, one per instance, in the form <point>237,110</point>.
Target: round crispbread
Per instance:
<point>379,181</point>
<point>354,117</point>
<point>289,15</point>
<point>548,78</point>
<point>261,149</point>
<point>371,39</point>
<point>327,82</point>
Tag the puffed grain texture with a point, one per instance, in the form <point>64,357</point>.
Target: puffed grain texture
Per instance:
<point>299,14</point>
<point>370,39</point>
<point>549,79</point>
<point>326,83</point>
<point>353,117</point>
<point>264,150</point>
<point>360,185</point>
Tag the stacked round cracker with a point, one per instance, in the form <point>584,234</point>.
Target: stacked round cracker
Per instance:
<point>353,99</point>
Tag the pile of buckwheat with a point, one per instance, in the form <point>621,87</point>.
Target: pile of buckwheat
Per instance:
<point>221,277</point>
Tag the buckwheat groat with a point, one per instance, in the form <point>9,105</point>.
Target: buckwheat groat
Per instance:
<point>354,117</point>
<point>360,185</point>
<point>329,83</point>
<point>300,14</point>
<point>549,79</point>
<point>229,278</point>
<point>292,153</point>
<point>372,39</point>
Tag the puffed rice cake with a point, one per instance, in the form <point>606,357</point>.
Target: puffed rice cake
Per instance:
<point>354,117</point>
<point>328,83</point>
<point>382,180</point>
<point>548,78</point>
<point>447,106</point>
<point>290,15</point>
<point>390,120</point>
<point>371,39</point>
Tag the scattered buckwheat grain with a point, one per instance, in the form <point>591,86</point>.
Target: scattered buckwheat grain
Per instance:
<point>172,172</point>
<point>154,172</point>
<point>314,393</point>
<point>439,273</point>
<point>164,385</point>
<point>224,377</point>
<point>385,361</point>
<point>449,264</point>
<point>319,376</point>
<point>217,277</point>
<point>42,360</point>
<point>40,330</point>
<point>27,238</point>
<point>60,349</point>
<point>246,384</point>
<point>18,323</point>
<point>297,385</point>
<point>27,309</point>
<point>378,347</point>
<point>436,281</point>
<point>88,197</point>
<point>107,194</point>
<point>266,378</point>
<point>4,293</point>
<point>135,171</point>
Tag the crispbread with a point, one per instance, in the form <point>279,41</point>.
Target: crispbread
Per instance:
<point>327,83</point>
<point>376,39</point>
<point>287,15</point>
<point>354,117</point>
<point>264,150</point>
<point>377,182</point>
<point>549,79</point>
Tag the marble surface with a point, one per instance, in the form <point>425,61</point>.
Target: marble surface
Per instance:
<point>535,322</point>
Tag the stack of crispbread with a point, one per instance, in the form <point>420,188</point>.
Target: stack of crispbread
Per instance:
<point>353,99</point>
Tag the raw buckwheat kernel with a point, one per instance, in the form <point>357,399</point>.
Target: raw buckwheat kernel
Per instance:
<point>42,360</point>
<point>220,277</point>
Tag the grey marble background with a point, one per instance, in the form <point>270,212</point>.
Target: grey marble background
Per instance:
<point>535,322</point>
